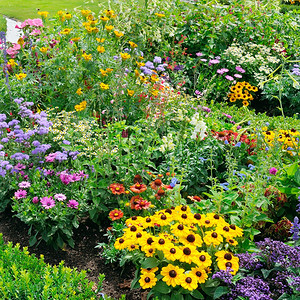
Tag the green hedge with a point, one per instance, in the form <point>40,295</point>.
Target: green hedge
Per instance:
<point>24,276</point>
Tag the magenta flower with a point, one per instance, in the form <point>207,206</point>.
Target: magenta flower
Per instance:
<point>238,75</point>
<point>60,197</point>
<point>240,69</point>
<point>222,71</point>
<point>228,77</point>
<point>24,185</point>
<point>47,202</point>
<point>199,54</point>
<point>35,200</point>
<point>273,171</point>
<point>51,157</point>
<point>73,204</point>
<point>20,194</point>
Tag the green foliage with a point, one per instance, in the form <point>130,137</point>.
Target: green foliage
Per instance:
<point>24,276</point>
<point>2,23</point>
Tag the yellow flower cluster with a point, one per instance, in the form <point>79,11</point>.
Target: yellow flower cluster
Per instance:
<point>183,238</point>
<point>289,139</point>
<point>43,14</point>
<point>241,91</point>
<point>81,106</point>
<point>64,15</point>
<point>21,76</point>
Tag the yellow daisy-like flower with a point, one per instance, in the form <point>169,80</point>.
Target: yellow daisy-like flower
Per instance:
<point>154,93</point>
<point>109,27</point>
<point>12,63</point>
<point>189,281</point>
<point>233,265</point>
<point>154,78</point>
<point>125,56</point>
<point>132,44</point>
<point>191,239</point>
<point>68,16</point>
<point>87,57</point>
<point>21,76</point>
<point>120,243</point>
<point>21,41</point>
<point>231,241</point>
<point>43,14</point>
<point>76,39</point>
<point>189,253</point>
<point>162,219</point>
<point>100,40</point>
<point>203,260</point>
<point>160,15</point>
<point>109,12</point>
<point>140,64</point>
<point>118,34</point>
<point>149,270</point>
<point>172,275</point>
<point>44,50</point>
<point>79,92</point>
<point>245,103</point>
<point>85,12</point>
<point>95,29</point>
<point>66,31</point>
<point>60,13</point>
<point>108,70</point>
<point>200,274</point>
<point>147,280</point>
<point>213,237</point>
<point>136,73</point>
<point>104,18</point>
<point>104,86</point>
<point>236,231</point>
<point>147,222</point>
<point>172,252</point>
<point>100,49</point>
<point>103,72</point>
<point>130,92</point>
<point>179,229</point>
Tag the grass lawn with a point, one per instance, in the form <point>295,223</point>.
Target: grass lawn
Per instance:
<point>2,23</point>
<point>24,9</point>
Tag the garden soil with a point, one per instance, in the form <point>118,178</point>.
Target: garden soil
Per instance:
<point>84,256</point>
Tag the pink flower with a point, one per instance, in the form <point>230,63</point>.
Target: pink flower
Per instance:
<point>228,77</point>
<point>238,75</point>
<point>60,197</point>
<point>142,204</point>
<point>35,32</point>
<point>240,69</point>
<point>73,204</point>
<point>20,194</point>
<point>273,171</point>
<point>47,202</point>
<point>51,157</point>
<point>24,184</point>
<point>35,200</point>
<point>30,22</point>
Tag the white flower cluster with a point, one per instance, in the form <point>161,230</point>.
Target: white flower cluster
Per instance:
<point>200,127</point>
<point>168,143</point>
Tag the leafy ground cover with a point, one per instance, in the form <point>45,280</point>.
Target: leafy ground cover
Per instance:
<point>172,127</point>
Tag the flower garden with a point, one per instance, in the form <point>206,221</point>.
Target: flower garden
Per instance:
<point>173,127</point>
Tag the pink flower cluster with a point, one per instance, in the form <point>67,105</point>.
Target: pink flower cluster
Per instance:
<point>31,22</point>
<point>13,51</point>
<point>66,177</point>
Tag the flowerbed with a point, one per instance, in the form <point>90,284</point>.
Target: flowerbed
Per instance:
<point>100,120</point>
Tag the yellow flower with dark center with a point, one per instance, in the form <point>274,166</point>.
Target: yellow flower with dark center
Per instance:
<point>189,281</point>
<point>200,274</point>
<point>100,49</point>
<point>147,280</point>
<point>254,89</point>
<point>79,92</point>
<point>130,92</point>
<point>120,243</point>
<point>140,64</point>
<point>90,17</point>
<point>136,73</point>
<point>191,239</point>
<point>149,270</point>
<point>66,31</point>
<point>160,15</point>
<point>43,14</point>
<point>93,23</point>
<point>21,76</point>
<point>87,57</point>
<point>236,231</point>
<point>21,41</point>
<point>100,40</point>
<point>233,265</point>
<point>95,29</point>
<point>76,39</point>
<point>172,275</point>
<point>203,260</point>
<point>68,16</point>
<point>109,12</point>
<point>213,237</point>
<point>125,56</point>
<point>85,12</point>
<point>89,29</point>
<point>104,86</point>
<point>109,27</point>
<point>118,34</point>
<point>132,44</point>
<point>245,103</point>
<point>231,241</point>
<point>60,13</point>
<point>172,252</point>
<point>179,229</point>
<point>104,18</point>
<point>44,50</point>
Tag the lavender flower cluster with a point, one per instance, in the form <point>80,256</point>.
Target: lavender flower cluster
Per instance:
<point>250,261</point>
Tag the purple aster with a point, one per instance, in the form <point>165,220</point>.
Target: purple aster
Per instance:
<point>60,197</point>
<point>50,157</point>
<point>60,156</point>
<point>47,202</point>
<point>2,117</point>
<point>149,65</point>
<point>18,101</point>
<point>222,71</point>
<point>36,143</point>
<point>228,77</point>
<point>13,123</point>
<point>224,276</point>
<point>146,71</point>
<point>24,185</point>
<point>66,142</point>
<point>157,60</point>
<point>250,261</point>
<point>5,140</point>
<point>73,204</point>
<point>273,171</point>
<point>240,69</point>
<point>298,205</point>
<point>20,194</point>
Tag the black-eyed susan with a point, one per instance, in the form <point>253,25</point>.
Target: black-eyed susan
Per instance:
<point>125,56</point>
<point>226,256</point>
<point>172,252</point>
<point>162,219</point>
<point>203,260</point>
<point>87,57</point>
<point>104,18</point>
<point>66,31</point>
<point>231,241</point>
<point>100,49</point>
<point>200,273</point>
<point>147,222</point>
<point>245,103</point>
<point>44,50</point>
<point>197,219</point>
<point>109,27</point>
<point>191,239</point>
<point>189,281</point>
<point>21,76</point>
<point>149,270</point>
<point>213,237</point>
<point>189,253</point>
<point>85,12</point>
<point>179,229</point>
<point>120,243</point>
<point>147,280</point>
<point>236,231</point>
<point>233,265</point>
<point>132,44</point>
<point>118,34</point>
<point>172,275</point>
<point>43,14</point>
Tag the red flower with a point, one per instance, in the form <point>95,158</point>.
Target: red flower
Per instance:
<point>116,214</point>
<point>134,200</point>
<point>156,184</point>
<point>138,188</point>
<point>142,204</point>
<point>117,188</point>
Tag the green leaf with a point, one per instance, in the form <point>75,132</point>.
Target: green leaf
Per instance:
<point>196,294</point>
<point>297,177</point>
<point>162,287</point>
<point>150,262</point>
<point>220,291</point>
<point>32,240</point>
<point>266,273</point>
<point>177,296</point>
<point>211,283</point>
<point>135,284</point>
<point>292,169</point>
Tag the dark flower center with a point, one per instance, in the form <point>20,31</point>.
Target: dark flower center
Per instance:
<point>232,226</point>
<point>184,208</point>
<point>121,241</point>
<point>149,241</point>
<point>132,246</point>
<point>180,227</point>
<point>187,251</point>
<point>163,217</point>
<point>147,279</point>
<point>228,256</point>
<point>191,238</point>
<point>172,273</point>
<point>161,241</point>
<point>173,250</point>
<point>188,280</point>
<point>138,235</point>
<point>198,273</point>
<point>214,235</point>
<point>217,217</point>
<point>134,218</point>
<point>168,211</point>
<point>207,222</point>
<point>228,264</point>
<point>231,241</point>
<point>202,258</point>
<point>133,228</point>
<point>197,216</point>
<point>150,250</point>
<point>148,220</point>
<point>157,182</point>
<point>183,216</point>
<point>226,228</point>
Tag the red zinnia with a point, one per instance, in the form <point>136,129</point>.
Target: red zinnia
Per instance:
<point>116,214</point>
<point>117,188</point>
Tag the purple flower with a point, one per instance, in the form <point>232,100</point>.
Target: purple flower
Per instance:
<point>173,182</point>
<point>61,156</point>
<point>250,261</point>
<point>157,59</point>
<point>24,185</point>
<point>199,54</point>
<point>213,62</point>
<point>47,202</point>
<point>149,65</point>
<point>60,197</point>
<point>20,194</point>
<point>2,117</point>
<point>298,205</point>
<point>273,171</point>
<point>73,204</point>
<point>35,200</point>
<point>228,77</point>
<point>50,157</point>
<point>66,142</point>
<point>222,71</point>
<point>295,229</point>
<point>20,156</point>
<point>240,69</point>
<point>224,276</point>
<point>5,140</point>
<point>146,71</point>
<point>238,144</point>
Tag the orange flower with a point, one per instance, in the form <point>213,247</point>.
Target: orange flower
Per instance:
<point>134,201</point>
<point>117,188</point>
<point>116,214</point>
<point>138,188</point>
<point>160,193</point>
<point>195,198</point>
<point>156,184</point>
<point>137,178</point>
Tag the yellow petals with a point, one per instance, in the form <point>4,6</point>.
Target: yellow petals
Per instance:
<point>21,41</point>
<point>21,76</point>
<point>76,39</point>
<point>66,31</point>
<point>109,27</point>
<point>160,15</point>
<point>12,63</point>
<point>44,50</point>
<point>104,86</point>
<point>132,44</point>
<point>125,56</point>
<point>100,40</point>
<point>100,49</point>
<point>87,57</point>
<point>68,16</point>
<point>43,14</point>
<point>130,92</point>
<point>109,12</point>
<point>80,106</point>
<point>85,12</point>
<point>104,19</point>
<point>118,34</point>
<point>79,92</point>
